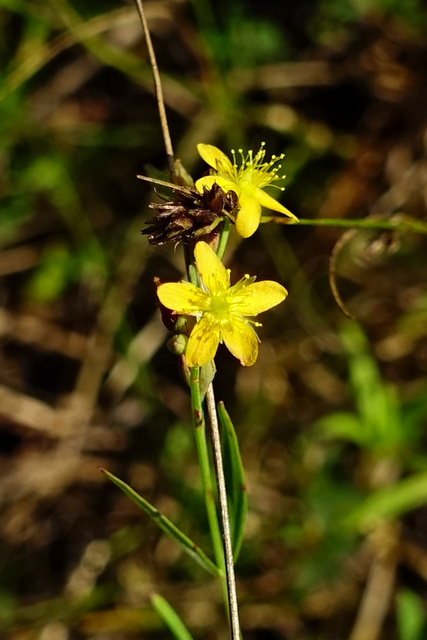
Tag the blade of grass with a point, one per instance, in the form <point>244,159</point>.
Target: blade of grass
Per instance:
<point>166,526</point>
<point>234,472</point>
<point>170,618</point>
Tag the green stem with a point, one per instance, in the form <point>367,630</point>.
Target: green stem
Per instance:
<point>190,266</point>
<point>397,223</point>
<point>205,470</point>
<point>225,518</point>
<point>223,238</point>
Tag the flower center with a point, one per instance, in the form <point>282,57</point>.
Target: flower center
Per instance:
<point>224,305</point>
<point>220,306</point>
<point>252,172</point>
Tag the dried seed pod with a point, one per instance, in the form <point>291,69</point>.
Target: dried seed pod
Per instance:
<point>190,214</point>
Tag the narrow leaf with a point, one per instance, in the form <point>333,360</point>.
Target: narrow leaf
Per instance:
<point>170,618</point>
<point>166,526</point>
<point>235,480</point>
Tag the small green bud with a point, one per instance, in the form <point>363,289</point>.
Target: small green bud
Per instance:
<point>177,344</point>
<point>207,374</point>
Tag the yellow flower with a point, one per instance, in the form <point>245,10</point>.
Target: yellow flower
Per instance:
<point>248,180</point>
<point>221,309</point>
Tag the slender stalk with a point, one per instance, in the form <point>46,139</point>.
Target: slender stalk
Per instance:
<point>205,470</point>
<point>225,520</point>
<point>396,223</point>
<point>159,92</point>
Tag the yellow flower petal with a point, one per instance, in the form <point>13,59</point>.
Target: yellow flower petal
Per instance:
<point>260,296</point>
<point>213,273</point>
<point>248,217</point>
<point>241,340</point>
<point>270,203</point>
<point>212,155</point>
<point>209,181</point>
<point>202,343</point>
<point>182,297</point>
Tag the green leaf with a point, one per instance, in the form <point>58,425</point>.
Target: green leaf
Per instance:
<point>170,618</point>
<point>390,503</point>
<point>410,615</point>
<point>235,480</point>
<point>166,526</point>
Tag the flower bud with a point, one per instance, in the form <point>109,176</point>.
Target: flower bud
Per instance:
<point>177,344</point>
